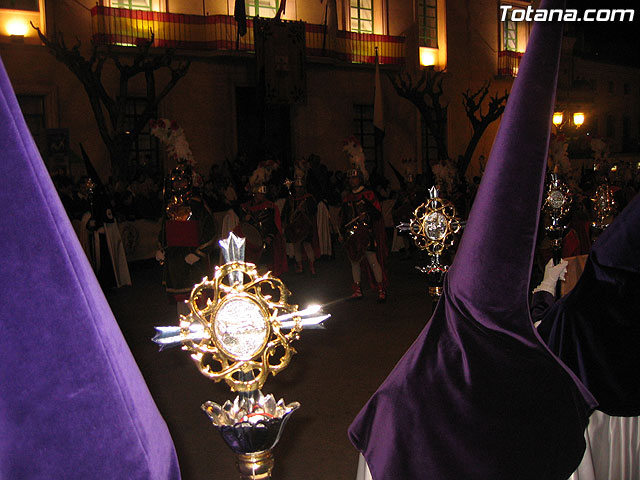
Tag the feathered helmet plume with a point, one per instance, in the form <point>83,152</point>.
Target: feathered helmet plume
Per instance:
<point>355,156</point>
<point>183,178</point>
<point>172,135</point>
<point>261,176</point>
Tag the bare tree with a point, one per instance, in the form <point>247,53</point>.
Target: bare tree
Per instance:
<point>109,109</point>
<point>472,103</point>
<point>425,91</point>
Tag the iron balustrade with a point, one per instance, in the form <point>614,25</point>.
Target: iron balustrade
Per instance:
<point>121,26</point>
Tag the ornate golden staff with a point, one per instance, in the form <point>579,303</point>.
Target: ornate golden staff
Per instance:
<point>604,206</point>
<point>432,228</point>
<point>557,203</point>
<point>235,332</point>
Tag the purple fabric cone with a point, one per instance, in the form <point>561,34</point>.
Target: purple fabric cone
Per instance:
<point>73,403</point>
<point>479,395</point>
<point>595,329</point>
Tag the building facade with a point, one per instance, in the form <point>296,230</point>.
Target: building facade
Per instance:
<point>218,102</point>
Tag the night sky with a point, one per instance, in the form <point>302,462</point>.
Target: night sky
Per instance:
<point>618,42</point>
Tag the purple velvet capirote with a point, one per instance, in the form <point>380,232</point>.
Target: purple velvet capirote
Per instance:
<point>595,329</point>
<point>73,403</point>
<point>479,395</point>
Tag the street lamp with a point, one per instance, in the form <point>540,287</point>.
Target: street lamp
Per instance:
<point>560,122</point>
<point>557,119</point>
<point>567,124</point>
<point>578,119</point>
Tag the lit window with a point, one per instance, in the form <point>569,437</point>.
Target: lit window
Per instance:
<point>132,4</point>
<point>16,17</point>
<point>362,16</point>
<point>513,38</point>
<point>428,23</point>
<point>262,8</point>
<point>510,35</point>
<point>514,27</point>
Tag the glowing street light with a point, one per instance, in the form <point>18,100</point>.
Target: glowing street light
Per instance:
<point>560,120</point>
<point>578,119</point>
<point>557,119</point>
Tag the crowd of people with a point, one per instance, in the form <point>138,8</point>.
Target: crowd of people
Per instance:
<point>139,199</point>
<point>276,210</point>
<point>277,213</point>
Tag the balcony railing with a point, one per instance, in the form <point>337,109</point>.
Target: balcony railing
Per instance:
<point>509,63</point>
<point>120,26</point>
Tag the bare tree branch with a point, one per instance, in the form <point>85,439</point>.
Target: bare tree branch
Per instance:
<point>473,103</point>
<point>426,93</point>
<point>114,131</point>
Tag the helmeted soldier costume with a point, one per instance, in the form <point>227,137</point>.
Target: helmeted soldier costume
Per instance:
<point>363,231</point>
<point>299,215</point>
<point>187,234</point>
<point>261,225</point>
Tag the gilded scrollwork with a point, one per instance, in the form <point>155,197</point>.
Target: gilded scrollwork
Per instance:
<point>433,224</point>
<point>242,356</point>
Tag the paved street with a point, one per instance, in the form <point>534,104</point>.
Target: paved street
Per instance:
<point>332,376</point>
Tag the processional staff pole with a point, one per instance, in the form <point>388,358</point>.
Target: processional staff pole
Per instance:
<point>557,204</point>
<point>236,332</point>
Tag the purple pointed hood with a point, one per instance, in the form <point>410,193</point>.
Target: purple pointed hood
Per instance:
<point>479,395</point>
<point>73,403</point>
<point>595,329</point>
